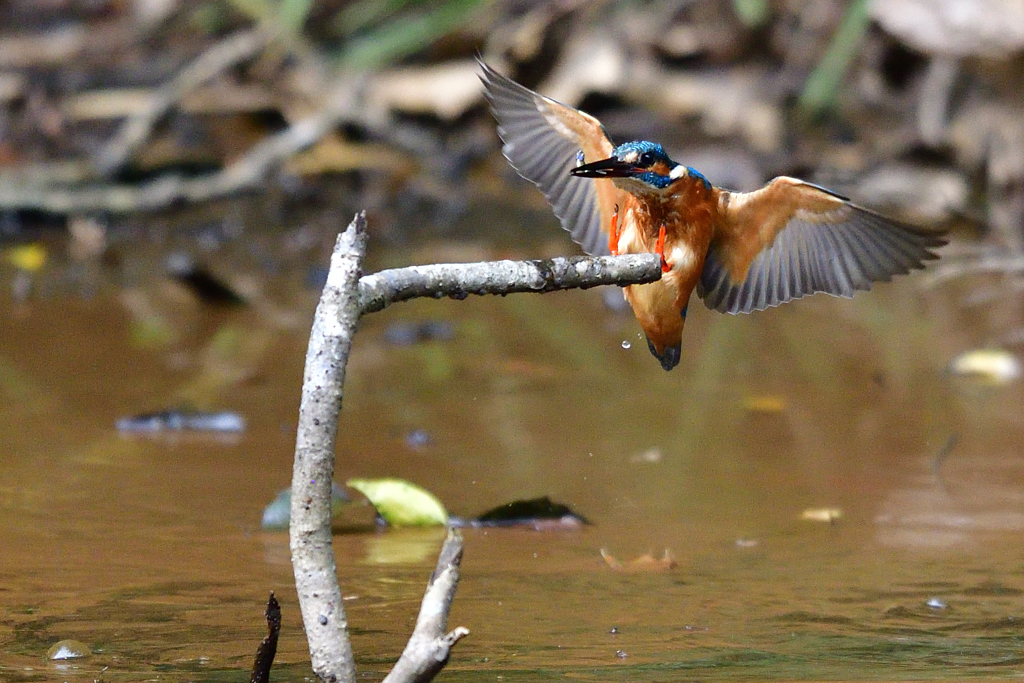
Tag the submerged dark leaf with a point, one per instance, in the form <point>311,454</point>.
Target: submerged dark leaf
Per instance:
<point>182,420</point>
<point>203,284</point>
<point>277,514</point>
<point>539,513</point>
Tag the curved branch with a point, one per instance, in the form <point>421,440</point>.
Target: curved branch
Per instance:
<point>459,280</point>
<point>346,296</point>
<point>316,579</point>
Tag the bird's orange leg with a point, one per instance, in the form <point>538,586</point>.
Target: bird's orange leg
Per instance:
<point>660,250</point>
<point>613,233</point>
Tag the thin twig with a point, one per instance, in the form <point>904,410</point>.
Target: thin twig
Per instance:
<point>429,647</point>
<point>267,649</point>
<point>345,298</point>
<point>225,54</point>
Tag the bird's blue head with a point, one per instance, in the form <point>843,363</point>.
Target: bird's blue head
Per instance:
<point>641,161</point>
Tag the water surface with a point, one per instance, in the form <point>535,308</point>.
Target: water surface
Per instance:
<point>149,549</point>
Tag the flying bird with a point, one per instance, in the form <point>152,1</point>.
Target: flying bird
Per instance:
<point>741,251</point>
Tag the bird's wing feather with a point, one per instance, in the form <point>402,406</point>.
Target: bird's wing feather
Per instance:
<point>541,139</point>
<point>791,239</point>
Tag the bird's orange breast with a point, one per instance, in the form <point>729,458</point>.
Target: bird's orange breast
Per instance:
<point>688,212</point>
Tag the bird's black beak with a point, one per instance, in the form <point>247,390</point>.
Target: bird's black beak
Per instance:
<point>606,168</point>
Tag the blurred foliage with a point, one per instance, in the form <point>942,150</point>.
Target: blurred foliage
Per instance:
<point>287,15</point>
<point>372,33</point>
<point>393,36</point>
<point>822,86</point>
<point>753,13</point>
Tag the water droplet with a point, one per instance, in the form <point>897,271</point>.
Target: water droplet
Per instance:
<point>625,344</point>
<point>68,649</point>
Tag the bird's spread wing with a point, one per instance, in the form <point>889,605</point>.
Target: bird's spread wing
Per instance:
<point>542,139</point>
<point>791,238</point>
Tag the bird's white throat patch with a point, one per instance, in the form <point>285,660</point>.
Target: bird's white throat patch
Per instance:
<point>678,171</point>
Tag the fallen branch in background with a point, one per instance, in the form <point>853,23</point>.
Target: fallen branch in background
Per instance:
<point>245,173</point>
<point>345,298</point>
<point>135,130</point>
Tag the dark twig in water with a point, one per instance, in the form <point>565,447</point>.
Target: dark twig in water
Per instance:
<point>943,453</point>
<point>344,299</point>
<point>429,647</point>
<point>268,648</point>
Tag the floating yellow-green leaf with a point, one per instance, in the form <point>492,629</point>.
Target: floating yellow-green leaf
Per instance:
<point>992,366</point>
<point>400,503</point>
<point>766,403</point>
<point>27,257</point>
<point>830,515</point>
<point>68,649</point>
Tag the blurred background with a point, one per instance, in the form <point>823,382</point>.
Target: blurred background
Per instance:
<point>837,482</point>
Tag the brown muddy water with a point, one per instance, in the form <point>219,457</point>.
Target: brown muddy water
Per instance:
<point>149,549</point>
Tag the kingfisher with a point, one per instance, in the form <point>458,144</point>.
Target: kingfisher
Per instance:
<point>741,251</point>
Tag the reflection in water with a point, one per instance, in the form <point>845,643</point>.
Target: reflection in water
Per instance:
<point>404,546</point>
<point>960,507</point>
<point>824,403</point>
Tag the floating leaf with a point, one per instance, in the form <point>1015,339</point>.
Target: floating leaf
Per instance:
<point>766,403</point>
<point>278,513</point>
<point>539,513</point>
<point>400,503</point>
<point>181,420</point>
<point>643,563</point>
<point>992,366</point>
<point>830,515</point>
<point>651,455</point>
<point>27,257</point>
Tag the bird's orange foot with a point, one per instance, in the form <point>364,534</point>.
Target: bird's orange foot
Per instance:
<point>613,233</point>
<point>660,251</point>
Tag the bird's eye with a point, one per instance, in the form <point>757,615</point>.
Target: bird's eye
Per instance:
<point>646,159</point>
